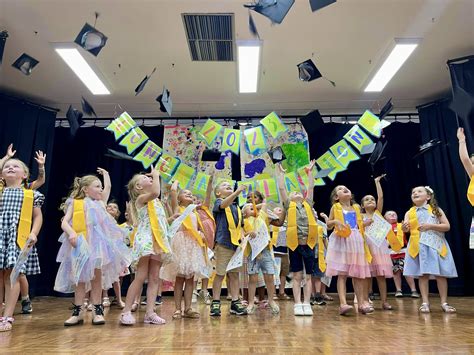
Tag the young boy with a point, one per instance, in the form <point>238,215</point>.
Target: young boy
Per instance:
<point>229,221</point>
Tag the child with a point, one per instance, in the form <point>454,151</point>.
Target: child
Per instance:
<point>348,254</point>
<point>87,217</point>
<point>21,220</point>
<point>264,261</point>
<point>426,219</point>
<point>151,246</point>
<point>398,258</point>
<point>301,238</point>
<point>318,287</point>
<point>189,248</point>
<point>381,265</point>
<point>281,252</point>
<point>228,219</point>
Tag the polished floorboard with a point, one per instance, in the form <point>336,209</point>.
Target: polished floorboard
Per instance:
<point>401,331</point>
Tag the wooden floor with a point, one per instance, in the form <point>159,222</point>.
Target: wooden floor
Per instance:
<point>400,331</point>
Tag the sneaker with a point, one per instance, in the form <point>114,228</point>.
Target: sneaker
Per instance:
<point>205,296</point>
<point>312,301</point>
<point>307,310</point>
<point>415,294</point>
<point>143,303</point>
<point>237,308</point>
<point>298,309</point>
<point>106,302</point>
<point>127,319</point>
<point>398,294</point>
<point>194,299</point>
<point>26,307</point>
<point>159,301</point>
<point>319,300</point>
<point>98,317</point>
<point>76,318</point>
<point>215,309</point>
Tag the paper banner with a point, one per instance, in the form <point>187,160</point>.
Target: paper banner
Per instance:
<point>199,186</point>
<point>268,188</point>
<point>273,125</point>
<point>303,178</point>
<point>149,153</point>
<point>255,139</point>
<point>343,152</point>
<point>327,160</point>
<point>166,165</point>
<point>244,194</point>
<point>358,138</point>
<point>209,131</point>
<point>378,230</point>
<point>291,182</point>
<point>121,125</point>
<point>296,156</point>
<point>183,174</point>
<point>237,259</point>
<point>231,140</point>
<point>370,123</point>
<point>135,138</point>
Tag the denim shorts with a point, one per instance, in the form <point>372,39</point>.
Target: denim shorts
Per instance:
<point>263,262</point>
<point>316,270</point>
<point>302,255</point>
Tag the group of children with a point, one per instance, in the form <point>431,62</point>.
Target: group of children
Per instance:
<point>179,238</point>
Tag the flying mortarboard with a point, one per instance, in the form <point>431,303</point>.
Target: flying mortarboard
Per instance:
<point>275,10</point>
<point>252,27</point>
<point>74,118</point>
<point>276,155</point>
<point>25,63</point>
<point>3,40</point>
<point>166,105</point>
<point>307,71</point>
<point>142,84</point>
<point>386,109</point>
<point>319,4</point>
<point>424,148</point>
<point>462,103</point>
<point>87,108</point>
<point>91,39</point>
<point>377,155</point>
<point>211,155</point>
<point>117,155</point>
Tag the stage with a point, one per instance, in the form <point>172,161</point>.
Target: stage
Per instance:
<point>402,330</point>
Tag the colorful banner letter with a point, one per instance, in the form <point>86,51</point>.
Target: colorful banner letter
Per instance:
<point>135,138</point>
<point>358,138</point>
<point>255,140</point>
<point>303,178</point>
<point>121,125</point>
<point>268,188</point>
<point>183,174</point>
<point>149,153</point>
<point>327,160</point>
<point>344,153</point>
<point>296,156</point>
<point>200,184</point>
<point>370,123</point>
<point>292,183</point>
<point>166,165</point>
<point>244,194</point>
<point>231,140</point>
<point>274,125</point>
<point>209,131</point>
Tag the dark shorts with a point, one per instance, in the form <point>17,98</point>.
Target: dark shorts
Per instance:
<point>302,255</point>
<point>316,270</point>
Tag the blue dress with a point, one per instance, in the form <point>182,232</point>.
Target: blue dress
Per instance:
<point>428,261</point>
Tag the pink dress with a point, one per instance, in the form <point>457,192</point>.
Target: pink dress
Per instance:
<point>209,227</point>
<point>381,264</point>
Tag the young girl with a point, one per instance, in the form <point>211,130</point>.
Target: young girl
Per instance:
<point>87,218</point>
<point>21,220</point>
<point>150,246</point>
<point>427,222</point>
<point>381,265</point>
<point>348,254</point>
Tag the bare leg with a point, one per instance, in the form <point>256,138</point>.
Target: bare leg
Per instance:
<point>411,283</point>
<point>79,294</point>
<point>382,283</point>
<point>251,290</point>
<point>397,279</point>
<point>178,292</point>
<point>234,285</point>
<point>360,288</point>
<point>323,289</point>
<point>96,287</point>
<point>297,277</point>
<point>204,285</point>
<point>134,290</point>
<point>270,283</point>
<point>341,289</point>
<point>24,286</point>
<point>152,288</point>
<point>442,288</point>
<point>281,289</point>
<point>307,289</point>
<point>188,292</point>
<point>216,287</point>
<point>423,283</point>
<point>118,291</point>
<point>13,293</point>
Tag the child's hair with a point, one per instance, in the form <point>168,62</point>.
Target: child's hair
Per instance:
<point>77,191</point>
<point>114,202</point>
<point>432,202</point>
<point>362,209</point>
<point>3,183</point>
<point>246,205</point>
<point>257,195</point>
<point>218,186</point>
<point>133,194</point>
<point>333,196</point>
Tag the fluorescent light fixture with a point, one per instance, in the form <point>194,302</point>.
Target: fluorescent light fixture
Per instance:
<point>79,65</point>
<point>399,54</point>
<point>248,57</point>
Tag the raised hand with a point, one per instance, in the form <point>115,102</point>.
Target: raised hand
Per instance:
<point>102,171</point>
<point>40,158</point>
<point>378,178</point>
<point>10,151</point>
<point>460,134</point>
<point>241,188</point>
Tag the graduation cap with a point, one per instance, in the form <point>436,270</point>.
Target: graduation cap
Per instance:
<point>312,122</point>
<point>367,149</point>
<point>166,105</point>
<point>319,4</point>
<point>253,27</point>
<point>74,118</point>
<point>424,148</point>
<point>25,64</point>
<point>462,103</point>
<point>376,155</point>
<point>307,71</point>
<point>275,10</point>
<point>211,155</point>
<point>91,39</point>
<point>142,84</point>
<point>386,109</point>
<point>117,155</point>
<point>324,173</point>
<point>87,108</point>
<point>276,155</point>
<point>3,40</point>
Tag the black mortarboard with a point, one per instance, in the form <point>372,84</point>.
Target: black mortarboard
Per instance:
<point>252,27</point>
<point>3,40</point>
<point>276,155</point>
<point>74,118</point>
<point>91,39</point>
<point>307,71</point>
<point>319,4</point>
<point>312,122</point>
<point>211,155</point>
<point>25,64</point>
<point>427,147</point>
<point>166,105</point>
<point>87,108</point>
<point>142,84</point>
<point>275,10</point>
<point>117,155</point>
<point>386,109</point>
<point>462,103</point>
<point>376,155</point>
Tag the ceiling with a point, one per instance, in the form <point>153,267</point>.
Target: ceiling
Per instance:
<point>346,40</point>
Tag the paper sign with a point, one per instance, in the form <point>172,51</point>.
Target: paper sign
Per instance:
<point>79,256</point>
<point>255,140</point>
<point>149,153</point>
<point>343,153</point>
<point>268,188</point>
<point>183,174</point>
<point>135,138</point>
<point>327,160</point>
<point>237,259</point>
<point>296,156</point>
<point>209,131</point>
<point>173,228</point>
<point>199,186</point>
<point>231,140</point>
<point>378,230</point>
<point>246,193</point>
<point>370,123</point>
<point>21,261</point>
<point>471,235</point>
<point>432,239</point>
<point>273,125</point>
<point>358,138</point>
<point>281,240</point>
<point>121,125</point>
<point>291,182</point>
<point>261,239</point>
<point>166,166</point>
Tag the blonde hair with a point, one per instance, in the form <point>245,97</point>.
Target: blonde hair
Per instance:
<point>133,193</point>
<point>3,183</point>
<point>77,191</point>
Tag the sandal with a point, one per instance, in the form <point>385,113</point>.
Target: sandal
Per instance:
<point>344,309</point>
<point>284,297</point>
<point>366,309</point>
<point>5,325</point>
<point>425,308</point>
<point>274,308</point>
<point>106,302</point>
<point>191,313</point>
<point>153,318</point>
<point>120,304</point>
<point>177,314</point>
<point>447,308</point>
<point>326,297</point>
<point>251,309</point>
<point>127,319</point>
<point>386,306</point>
<point>135,306</point>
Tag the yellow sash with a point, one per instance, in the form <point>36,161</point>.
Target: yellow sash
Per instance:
<point>209,214</point>
<point>26,216</point>
<point>292,231</point>
<point>393,239</point>
<point>235,230</point>
<point>414,247</point>
<point>470,191</point>
<point>188,225</point>
<point>274,236</point>
<point>79,217</point>
<point>155,227</point>
<point>321,247</point>
<point>132,237</point>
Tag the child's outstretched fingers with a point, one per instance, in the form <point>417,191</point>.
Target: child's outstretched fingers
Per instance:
<point>40,157</point>
<point>10,151</point>
<point>102,171</point>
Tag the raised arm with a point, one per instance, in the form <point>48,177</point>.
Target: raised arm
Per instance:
<point>230,199</point>
<point>310,171</point>
<point>9,154</point>
<point>279,171</point>
<point>107,184</point>
<point>378,186</point>
<point>463,154</point>
<point>40,159</point>
<point>207,201</point>
<point>174,197</point>
<point>154,192</point>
